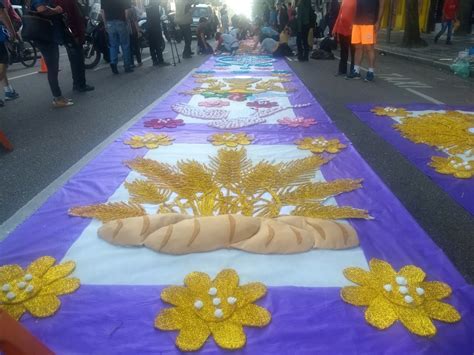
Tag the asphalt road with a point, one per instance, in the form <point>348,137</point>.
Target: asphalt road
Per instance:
<point>48,142</point>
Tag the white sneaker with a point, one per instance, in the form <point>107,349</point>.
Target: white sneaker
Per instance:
<point>60,102</point>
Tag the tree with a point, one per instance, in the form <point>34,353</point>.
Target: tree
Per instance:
<point>411,36</point>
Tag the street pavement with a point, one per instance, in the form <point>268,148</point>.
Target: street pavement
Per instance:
<point>48,142</point>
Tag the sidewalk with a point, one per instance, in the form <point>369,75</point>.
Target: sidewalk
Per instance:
<point>439,55</point>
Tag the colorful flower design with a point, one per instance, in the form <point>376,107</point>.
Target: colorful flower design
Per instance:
<point>231,139</point>
<point>296,122</point>
<point>159,123</point>
<point>453,166</point>
<point>262,104</point>
<point>237,97</point>
<point>402,295</point>
<point>150,141</point>
<point>320,145</point>
<point>36,289</point>
<point>390,111</point>
<point>214,103</point>
<point>219,307</point>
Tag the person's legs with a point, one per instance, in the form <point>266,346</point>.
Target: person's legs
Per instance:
<point>450,31</point>
<point>352,47</point>
<point>159,50</point>
<point>305,35</point>
<point>370,50</point>
<point>50,53</point>
<point>76,60</point>
<point>114,41</point>
<point>344,45</point>
<point>444,26</point>
<point>10,93</point>
<point>299,45</point>
<point>153,48</point>
<point>124,38</point>
<point>187,37</point>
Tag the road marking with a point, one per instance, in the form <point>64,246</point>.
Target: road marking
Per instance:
<point>426,97</point>
<point>22,76</point>
<point>36,202</point>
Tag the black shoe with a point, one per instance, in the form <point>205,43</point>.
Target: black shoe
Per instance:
<point>129,70</point>
<point>449,42</point>
<point>84,88</point>
<point>163,64</point>
<point>187,56</point>
<point>114,68</point>
<point>155,63</point>
<point>192,53</point>
<point>436,39</point>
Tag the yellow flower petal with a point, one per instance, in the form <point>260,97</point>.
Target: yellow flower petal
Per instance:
<point>381,269</point>
<point>198,282</point>
<point>358,295</point>
<point>14,310</point>
<point>441,311</point>
<point>59,271</point>
<point>176,295</point>
<point>42,306</point>
<point>61,287</point>
<point>10,272</point>
<point>412,273</point>
<point>249,293</point>
<point>251,315</point>
<point>193,338</point>
<point>170,318</point>
<point>40,266</point>
<point>416,321</point>
<point>381,313</point>
<point>226,282</point>
<point>436,290</point>
<point>358,275</point>
<point>228,335</point>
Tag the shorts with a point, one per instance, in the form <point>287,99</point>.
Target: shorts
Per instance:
<point>363,34</point>
<point>3,53</point>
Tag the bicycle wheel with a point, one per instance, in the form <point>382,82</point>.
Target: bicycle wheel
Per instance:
<point>27,54</point>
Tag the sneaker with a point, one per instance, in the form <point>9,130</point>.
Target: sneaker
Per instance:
<point>353,75</point>
<point>11,95</point>
<point>370,76</point>
<point>83,88</point>
<point>60,102</point>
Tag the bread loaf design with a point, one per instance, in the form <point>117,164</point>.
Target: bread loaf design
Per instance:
<point>183,234</point>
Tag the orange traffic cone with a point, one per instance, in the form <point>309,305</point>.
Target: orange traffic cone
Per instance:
<point>43,67</point>
<point>5,142</point>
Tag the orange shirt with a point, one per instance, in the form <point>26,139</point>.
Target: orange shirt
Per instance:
<point>343,25</point>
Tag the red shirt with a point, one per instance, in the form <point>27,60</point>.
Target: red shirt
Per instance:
<point>449,9</point>
<point>343,25</point>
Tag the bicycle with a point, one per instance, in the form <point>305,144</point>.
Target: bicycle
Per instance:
<point>23,52</point>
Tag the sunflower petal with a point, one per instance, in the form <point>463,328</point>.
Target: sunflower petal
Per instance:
<point>228,335</point>
<point>357,275</point>
<point>412,273</point>
<point>358,295</point>
<point>441,311</point>
<point>42,306</point>
<point>40,266</point>
<point>198,282</point>
<point>436,290</point>
<point>226,282</point>
<point>10,272</point>
<point>61,287</point>
<point>13,310</point>
<point>176,295</point>
<point>59,271</point>
<point>249,293</point>
<point>193,338</point>
<point>416,321</point>
<point>169,319</point>
<point>251,315</point>
<point>381,269</point>
<point>381,313</point>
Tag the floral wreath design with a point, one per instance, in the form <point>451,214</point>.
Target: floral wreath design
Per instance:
<point>160,123</point>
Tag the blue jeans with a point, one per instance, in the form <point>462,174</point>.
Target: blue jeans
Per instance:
<point>446,25</point>
<point>119,36</point>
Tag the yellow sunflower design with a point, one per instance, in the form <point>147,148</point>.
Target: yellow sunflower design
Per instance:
<point>390,111</point>
<point>150,141</point>
<point>320,145</point>
<point>36,289</point>
<point>231,140</point>
<point>403,295</point>
<point>453,166</point>
<point>219,307</point>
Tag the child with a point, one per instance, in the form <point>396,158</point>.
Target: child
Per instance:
<point>226,43</point>
<point>203,46</point>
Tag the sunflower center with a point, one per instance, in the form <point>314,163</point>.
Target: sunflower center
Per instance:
<point>20,289</point>
<point>213,306</point>
<point>400,292</point>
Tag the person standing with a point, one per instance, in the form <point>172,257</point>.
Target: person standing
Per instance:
<point>155,33</point>
<point>282,17</point>
<point>225,19</point>
<point>135,34</point>
<point>343,32</point>
<point>364,31</point>
<point>450,8</point>
<point>115,14</point>
<point>303,22</point>
<point>184,18</point>
<point>50,49</point>
<point>73,45</point>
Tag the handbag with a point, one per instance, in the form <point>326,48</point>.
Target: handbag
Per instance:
<point>36,28</point>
